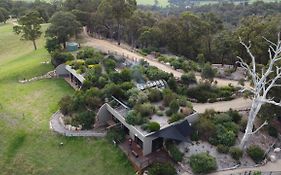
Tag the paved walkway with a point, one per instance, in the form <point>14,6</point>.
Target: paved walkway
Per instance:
<point>58,127</point>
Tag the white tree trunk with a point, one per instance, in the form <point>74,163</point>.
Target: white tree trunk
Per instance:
<point>262,84</point>
<point>250,124</point>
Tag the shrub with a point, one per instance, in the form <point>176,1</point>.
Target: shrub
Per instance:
<point>243,125</point>
<point>235,116</point>
<point>86,119</point>
<point>52,44</point>
<point>175,153</point>
<point>61,57</point>
<point>66,105</point>
<point>256,153</point>
<point>188,78</point>
<point>168,96</point>
<point>153,73</point>
<point>145,109</point>
<point>272,131</point>
<point>155,95</point>
<point>136,97</point>
<point>208,73</point>
<point>194,135</point>
<point>236,153</point>
<point>174,106</point>
<point>161,169</point>
<point>169,112</point>
<point>116,134</point>
<point>109,64</point>
<point>160,113</point>
<point>202,163</point>
<point>134,118</point>
<point>153,126</point>
<point>205,127</point>
<point>176,117</point>
<point>222,149</point>
<point>172,83</point>
<point>226,138</point>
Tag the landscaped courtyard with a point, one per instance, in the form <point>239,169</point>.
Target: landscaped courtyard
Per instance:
<point>27,145</point>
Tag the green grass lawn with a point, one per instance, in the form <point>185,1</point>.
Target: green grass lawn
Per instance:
<point>27,146</point>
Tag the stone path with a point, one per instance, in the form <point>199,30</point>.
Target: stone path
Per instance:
<point>48,75</point>
<point>58,127</point>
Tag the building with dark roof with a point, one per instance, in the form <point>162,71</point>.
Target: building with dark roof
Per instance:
<point>110,116</point>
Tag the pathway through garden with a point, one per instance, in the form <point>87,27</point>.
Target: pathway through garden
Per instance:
<point>112,47</point>
<point>58,127</point>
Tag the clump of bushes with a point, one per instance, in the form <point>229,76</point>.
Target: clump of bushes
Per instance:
<point>188,78</point>
<point>235,116</point>
<point>85,119</point>
<point>202,163</point>
<point>66,105</point>
<point>217,128</point>
<point>174,152</point>
<point>176,117</point>
<point>162,169</point>
<point>153,73</point>
<point>155,95</point>
<point>256,153</point>
<point>168,96</point>
<point>272,131</point>
<point>223,149</point>
<point>145,109</point>
<point>61,57</point>
<point>136,97</point>
<point>151,126</point>
<point>134,118</point>
<point>205,91</point>
<point>236,153</point>
<point>174,106</point>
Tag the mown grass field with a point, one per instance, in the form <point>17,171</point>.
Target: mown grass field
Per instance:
<point>27,146</point>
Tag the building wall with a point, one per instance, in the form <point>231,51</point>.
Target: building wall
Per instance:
<point>193,118</point>
<point>61,71</point>
<point>147,141</point>
<point>102,116</point>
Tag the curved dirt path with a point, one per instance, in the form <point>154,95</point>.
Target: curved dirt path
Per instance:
<point>223,106</point>
<point>112,47</point>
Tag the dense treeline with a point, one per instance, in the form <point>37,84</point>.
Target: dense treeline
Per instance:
<point>211,30</point>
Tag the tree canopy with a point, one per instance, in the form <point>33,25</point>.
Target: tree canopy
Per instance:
<point>29,27</point>
<point>63,26</point>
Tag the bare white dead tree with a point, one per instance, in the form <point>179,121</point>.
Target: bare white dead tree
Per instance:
<point>263,82</point>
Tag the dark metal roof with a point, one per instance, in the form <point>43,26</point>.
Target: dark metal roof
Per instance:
<point>180,132</point>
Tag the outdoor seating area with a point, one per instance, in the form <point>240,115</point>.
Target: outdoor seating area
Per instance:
<point>135,155</point>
